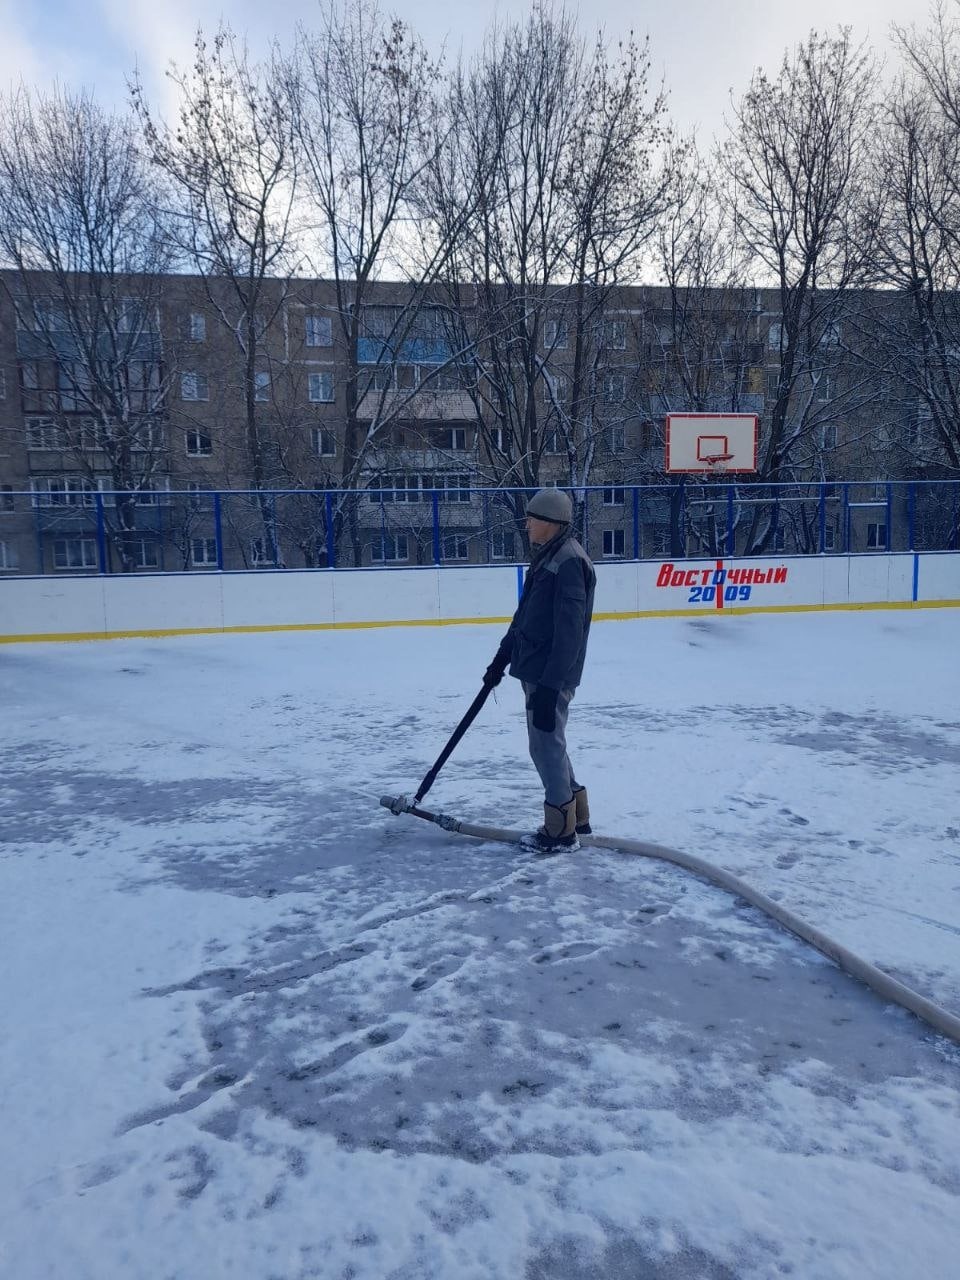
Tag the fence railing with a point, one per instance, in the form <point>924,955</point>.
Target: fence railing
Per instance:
<point>68,526</point>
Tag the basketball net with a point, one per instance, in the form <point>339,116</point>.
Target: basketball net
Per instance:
<point>717,463</point>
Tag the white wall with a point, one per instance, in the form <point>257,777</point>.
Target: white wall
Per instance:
<point>60,608</point>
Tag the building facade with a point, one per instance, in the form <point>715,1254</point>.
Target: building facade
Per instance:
<point>168,425</point>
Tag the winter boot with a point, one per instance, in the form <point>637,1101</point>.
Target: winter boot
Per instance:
<point>583,812</point>
<point>558,832</point>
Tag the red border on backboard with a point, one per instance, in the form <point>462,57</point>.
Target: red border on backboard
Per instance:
<point>706,469</point>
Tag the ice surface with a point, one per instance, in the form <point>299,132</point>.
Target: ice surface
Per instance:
<point>257,1028</point>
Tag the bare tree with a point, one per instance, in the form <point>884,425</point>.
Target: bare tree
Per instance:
<point>87,250</point>
<point>365,98</point>
<point>559,149</point>
<point>797,165</point>
<point>231,160</point>
<point>702,340</point>
<point>918,250</point>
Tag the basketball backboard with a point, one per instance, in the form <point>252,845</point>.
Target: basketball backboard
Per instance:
<point>712,443</point>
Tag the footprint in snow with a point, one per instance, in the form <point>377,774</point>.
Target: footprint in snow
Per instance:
<point>795,818</point>
<point>436,972</point>
<point>565,951</point>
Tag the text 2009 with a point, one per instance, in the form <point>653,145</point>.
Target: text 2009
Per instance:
<point>704,595</point>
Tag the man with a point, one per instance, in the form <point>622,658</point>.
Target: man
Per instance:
<point>545,649</point>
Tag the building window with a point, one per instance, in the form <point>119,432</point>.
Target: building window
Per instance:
<point>613,542</point>
<point>554,387</point>
<point>497,438</point>
<point>877,537</point>
<point>828,435</point>
<point>37,392</point>
<point>552,442</point>
<point>74,553</point>
<point>377,377</point>
<point>452,488</point>
<point>153,495</point>
<point>617,439</point>
<point>775,335</point>
<point>7,500</point>
<point>62,491</point>
<point>146,435</point>
<point>203,552</point>
<point>199,444</point>
<point>324,442</point>
<point>454,377</point>
<point>146,553</point>
<point>389,547</point>
<point>453,438</point>
<point>42,433</point>
<point>614,497</point>
<point>616,335</point>
<point>261,387</point>
<point>780,540</point>
<point>320,388</point>
<point>9,558</point>
<point>197,327</point>
<point>555,335</point>
<point>455,547</point>
<point>829,539</point>
<point>193,386</point>
<point>75,386</point>
<point>260,556</point>
<point>319,331</point>
<point>131,315</point>
<point>503,544</point>
<point>614,388</point>
<point>395,489</point>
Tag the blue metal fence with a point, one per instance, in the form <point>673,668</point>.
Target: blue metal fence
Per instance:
<point>66,527</point>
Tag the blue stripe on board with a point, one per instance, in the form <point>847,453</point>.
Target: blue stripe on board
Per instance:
<point>916,577</point>
<point>519,582</point>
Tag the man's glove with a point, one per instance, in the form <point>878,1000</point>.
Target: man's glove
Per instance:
<point>543,704</point>
<point>494,673</point>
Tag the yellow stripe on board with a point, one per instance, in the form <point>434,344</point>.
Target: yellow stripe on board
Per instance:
<point>729,611</point>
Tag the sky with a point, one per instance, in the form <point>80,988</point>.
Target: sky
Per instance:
<point>257,1028</point>
<point>702,48</point>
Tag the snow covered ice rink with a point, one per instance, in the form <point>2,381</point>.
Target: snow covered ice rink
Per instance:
<point>257,1028</point>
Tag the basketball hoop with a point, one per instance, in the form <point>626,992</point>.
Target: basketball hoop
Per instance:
<point>716,462</point>
<point>711,443</point>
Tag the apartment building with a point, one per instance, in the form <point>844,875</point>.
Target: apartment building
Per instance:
<point>161,425</point>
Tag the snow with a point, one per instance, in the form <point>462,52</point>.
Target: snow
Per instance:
<point>257,1028</point>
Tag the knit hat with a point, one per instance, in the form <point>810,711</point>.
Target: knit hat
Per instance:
<point>552,505</point>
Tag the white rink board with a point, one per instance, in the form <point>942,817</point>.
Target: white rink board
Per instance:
<point>618,587</point>
<point>36,606</point>
<point>93,607</point>
<point>307,599</point>
<point>488,592</point>
<point>377,595</point>
<point>939,577</point>
<point>135,603</point>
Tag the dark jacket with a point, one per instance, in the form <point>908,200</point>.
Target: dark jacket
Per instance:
<point>547,639</point>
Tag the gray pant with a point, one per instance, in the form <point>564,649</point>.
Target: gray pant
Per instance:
<point>548,751</point>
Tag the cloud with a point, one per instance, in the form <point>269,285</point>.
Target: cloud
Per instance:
<point>18,58</point>
<point>703,49</point>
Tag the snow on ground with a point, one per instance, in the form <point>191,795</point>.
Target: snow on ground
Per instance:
<point>257,1028</point>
